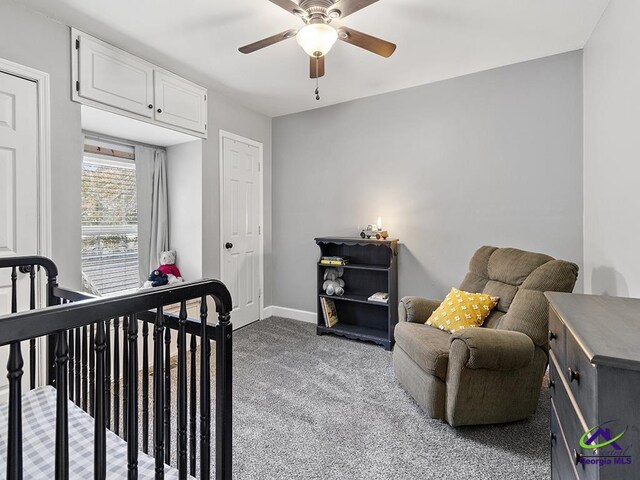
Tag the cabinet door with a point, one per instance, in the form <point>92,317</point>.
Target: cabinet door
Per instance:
<point>179,102</point>
<point>111,76</point>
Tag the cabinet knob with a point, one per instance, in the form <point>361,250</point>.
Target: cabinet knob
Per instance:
<point>573,375</point>
<point>150,106</point>
<point>552,336</point>
<point>576,457</point>
<point>552,438</point>
<point>159,110</point>
<point>552,384</point>
<point>228,245</point>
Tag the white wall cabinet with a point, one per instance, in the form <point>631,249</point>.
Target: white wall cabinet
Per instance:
<point>113,77</point>
<point>179,102</point>
<point>109,78</point>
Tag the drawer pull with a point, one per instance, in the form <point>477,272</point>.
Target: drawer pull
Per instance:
<point>552,384</point>
<point>573,375</point>
<point>552,438</point>
<point>552,336</point>
<point>576,457</point>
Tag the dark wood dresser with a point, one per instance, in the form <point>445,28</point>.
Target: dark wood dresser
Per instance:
<point>594,379</point>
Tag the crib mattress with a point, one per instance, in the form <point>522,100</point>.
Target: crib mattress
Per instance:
<point>39,427</point>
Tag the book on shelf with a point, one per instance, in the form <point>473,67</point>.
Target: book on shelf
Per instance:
<point>324,310</point>
<point>380,297</point>
<point>334,260</point>
<point>329,312</point>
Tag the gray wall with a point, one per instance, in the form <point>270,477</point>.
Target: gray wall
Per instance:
<point>31,39</point>
<point>490,158</point>
<point>611,165</point>
<point>184,168</point>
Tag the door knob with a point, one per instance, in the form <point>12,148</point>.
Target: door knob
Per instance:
<point>576,457</point>
<point>573,375</point>
<point>228,245</point>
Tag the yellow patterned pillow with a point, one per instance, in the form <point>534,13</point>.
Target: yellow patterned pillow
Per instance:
<point>461,310</point>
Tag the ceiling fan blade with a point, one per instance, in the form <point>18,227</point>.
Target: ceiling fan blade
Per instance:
<point>290,7</point>
<point>368,42</point>
<point>347,7</point>
<point>316,64</point>
<point>265,42</point>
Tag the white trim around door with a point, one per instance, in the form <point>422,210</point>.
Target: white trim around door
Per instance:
<point>44,149</point>
<point>232,136</point>
<point>44,172</point>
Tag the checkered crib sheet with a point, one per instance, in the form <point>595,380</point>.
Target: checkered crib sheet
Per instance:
<point>39,427</point>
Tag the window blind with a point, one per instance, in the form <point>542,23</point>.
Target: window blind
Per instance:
<point>109,224</point>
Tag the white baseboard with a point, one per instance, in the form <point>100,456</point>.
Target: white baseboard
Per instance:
<point>301,315</point>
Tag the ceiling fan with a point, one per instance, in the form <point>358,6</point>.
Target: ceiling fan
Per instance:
<point>318,36</point>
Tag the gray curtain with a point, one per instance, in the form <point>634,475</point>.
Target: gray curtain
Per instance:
<point>153,211</point>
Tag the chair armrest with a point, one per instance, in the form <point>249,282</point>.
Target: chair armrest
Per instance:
<point>416,309</point>
<point>492,349</point>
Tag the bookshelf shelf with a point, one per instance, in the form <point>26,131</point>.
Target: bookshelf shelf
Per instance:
<point>358,266</point>
<point>355,298</point>
<point>356,332</point>
<point>373,268</point>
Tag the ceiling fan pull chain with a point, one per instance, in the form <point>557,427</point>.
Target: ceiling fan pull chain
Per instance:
<point>317,81</point>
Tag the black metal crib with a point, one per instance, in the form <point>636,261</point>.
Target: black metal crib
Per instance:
<point>91,364</point>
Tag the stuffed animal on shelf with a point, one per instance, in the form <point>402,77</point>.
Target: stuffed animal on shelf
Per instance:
<point>167,273</point>
<point>333,284</point>
<point>156,279</point>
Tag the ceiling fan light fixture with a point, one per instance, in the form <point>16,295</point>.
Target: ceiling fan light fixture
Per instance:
<point>316,39</point>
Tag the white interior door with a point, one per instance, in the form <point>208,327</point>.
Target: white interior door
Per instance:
<point>241,258</point>
<point>18,194</point>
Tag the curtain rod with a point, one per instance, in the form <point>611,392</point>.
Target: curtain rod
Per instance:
<point>122,141</point>
<point>110,152</point>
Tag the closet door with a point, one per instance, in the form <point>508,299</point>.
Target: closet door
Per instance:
<point>113,77</point>
<point>18,197</point>
<point>180,103</point>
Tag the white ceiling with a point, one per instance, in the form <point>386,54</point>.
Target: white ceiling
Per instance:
<point>437,39</point>
<point>119,126</point>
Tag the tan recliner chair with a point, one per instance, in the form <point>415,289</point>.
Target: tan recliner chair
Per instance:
<point>490,374</point>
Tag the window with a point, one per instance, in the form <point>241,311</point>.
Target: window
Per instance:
<point>109,224</point>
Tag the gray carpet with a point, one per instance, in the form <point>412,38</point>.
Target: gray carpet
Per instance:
<point>310,407</point>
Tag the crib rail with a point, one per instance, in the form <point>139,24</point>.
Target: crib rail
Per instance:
<point>31,265</point>
<point>174,322</point>
<point>84,365</point>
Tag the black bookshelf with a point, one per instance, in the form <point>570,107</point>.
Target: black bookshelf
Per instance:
<point>373,268</point>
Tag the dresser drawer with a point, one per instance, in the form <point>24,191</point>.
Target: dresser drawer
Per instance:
<point>562,467</point>
<point>569,422</point>
<point>557,336</point>
<point>581,375</point>
<point>574,365</point>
